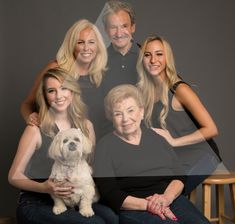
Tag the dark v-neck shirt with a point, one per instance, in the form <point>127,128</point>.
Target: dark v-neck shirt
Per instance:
<point>123,169</point>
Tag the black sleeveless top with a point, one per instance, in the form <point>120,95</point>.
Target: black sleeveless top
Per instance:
<point>40,165</point>
<point>180,123</point>
<point>93,98</point>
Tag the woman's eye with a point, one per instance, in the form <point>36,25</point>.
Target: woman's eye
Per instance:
<point>63,88</point>
<point>50,90</point>
<point>80,42</point>
<point>91,42</point>
<point>146,55</point>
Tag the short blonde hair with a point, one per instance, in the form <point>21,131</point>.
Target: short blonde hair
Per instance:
<point>65,56</point>
<point>77,110</point>
<point>120,93</point>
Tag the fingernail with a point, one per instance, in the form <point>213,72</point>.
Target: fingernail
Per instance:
<point>175,219</point>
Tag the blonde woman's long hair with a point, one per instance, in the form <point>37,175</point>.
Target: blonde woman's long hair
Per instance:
<point>66,59</point>
<point>77,110</point>
<point>148,87</point>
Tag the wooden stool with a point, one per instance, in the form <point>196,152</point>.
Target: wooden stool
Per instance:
<point>219,181</point>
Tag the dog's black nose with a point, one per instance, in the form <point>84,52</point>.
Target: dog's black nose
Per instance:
<point>72,146</point>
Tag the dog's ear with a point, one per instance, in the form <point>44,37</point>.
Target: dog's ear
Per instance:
<point>54,151</point>
<point>86,143</point>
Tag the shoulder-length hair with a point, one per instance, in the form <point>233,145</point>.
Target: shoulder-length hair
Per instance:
<point>66,59</point>
<point>77,110</point>
<point>147,85</point>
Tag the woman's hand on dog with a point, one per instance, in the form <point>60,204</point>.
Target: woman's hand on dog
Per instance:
<point>58,188</point>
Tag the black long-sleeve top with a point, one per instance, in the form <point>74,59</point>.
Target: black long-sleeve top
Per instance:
<point>122,169</point>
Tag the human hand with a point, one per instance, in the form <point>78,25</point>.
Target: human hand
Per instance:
<point>166,134</point>
<point>169,214</point>
<point>158,204</point>
<point>33,119</point>
<point>61,189</point>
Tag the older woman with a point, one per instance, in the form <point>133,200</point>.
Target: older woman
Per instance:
<point>83,55</point>
<point>136,171</point>
<point>176,111</point>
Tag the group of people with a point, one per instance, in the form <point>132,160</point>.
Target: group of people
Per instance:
<point>151,134</point>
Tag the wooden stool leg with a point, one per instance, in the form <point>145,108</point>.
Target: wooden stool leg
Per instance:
<point>232,197</point>
<point>207,200</point>
<point>220,202</point>
<point>232,194</point>
<point>192,196</point>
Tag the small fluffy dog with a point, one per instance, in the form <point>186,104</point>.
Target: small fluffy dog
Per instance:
<point>70,149</point>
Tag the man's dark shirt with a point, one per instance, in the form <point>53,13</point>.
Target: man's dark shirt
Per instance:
<point>121,70</point>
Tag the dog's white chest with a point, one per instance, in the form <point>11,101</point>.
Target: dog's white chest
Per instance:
<point>68,172</point>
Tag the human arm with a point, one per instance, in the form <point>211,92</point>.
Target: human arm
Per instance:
<point>113,190</point>
<point>30,141</point>
<point>186,98</point>
<point>28,104</point>
<point>105,178</point>
<point>160,203</point>
<point>134,203</point>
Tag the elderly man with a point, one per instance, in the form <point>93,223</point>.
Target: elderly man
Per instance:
<point>119,23</point>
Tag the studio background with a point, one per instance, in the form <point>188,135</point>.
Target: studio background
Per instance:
<point>201,33</point>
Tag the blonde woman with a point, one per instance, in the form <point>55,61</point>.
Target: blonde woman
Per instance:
<point>174,109</point>
<point>60,108</point>
<point>83,55</point>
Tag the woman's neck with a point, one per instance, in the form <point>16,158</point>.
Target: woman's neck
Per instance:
<point>82,69</point>
<point>62,121</point>
<point>133,138</point>
<point>159,79</point>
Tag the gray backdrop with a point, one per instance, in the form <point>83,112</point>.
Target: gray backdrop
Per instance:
<point>201,33</point>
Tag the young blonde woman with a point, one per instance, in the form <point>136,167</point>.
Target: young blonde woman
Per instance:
<point>83,55</point>
<point>176,112</point>
<point>60,108</point>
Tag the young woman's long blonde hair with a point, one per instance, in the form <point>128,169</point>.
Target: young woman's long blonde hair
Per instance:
<point>77,110</point>
<point>148,86</point>
<point>66,59</point>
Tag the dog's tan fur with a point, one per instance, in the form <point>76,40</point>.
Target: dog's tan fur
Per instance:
<point>69,149</point>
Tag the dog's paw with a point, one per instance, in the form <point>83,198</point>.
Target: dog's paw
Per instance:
<point>59,209</point>
<point>87,212</point>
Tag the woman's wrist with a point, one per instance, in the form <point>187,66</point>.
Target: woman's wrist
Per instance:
<point>134,203</point>
<point>144,205</point>
<point>170,197</point>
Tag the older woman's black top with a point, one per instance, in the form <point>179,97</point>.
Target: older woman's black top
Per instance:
<point>123,169</point>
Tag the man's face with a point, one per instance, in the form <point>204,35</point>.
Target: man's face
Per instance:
<point>120,30</point>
